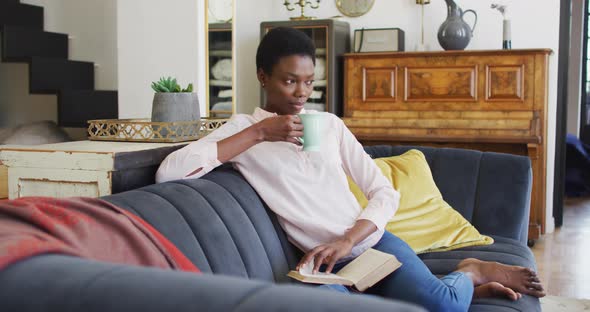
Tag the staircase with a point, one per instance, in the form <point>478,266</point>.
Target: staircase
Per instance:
<point>50,71</point>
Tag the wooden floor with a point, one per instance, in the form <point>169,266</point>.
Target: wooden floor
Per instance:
<point>563,257</point>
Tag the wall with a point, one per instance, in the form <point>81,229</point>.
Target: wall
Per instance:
<point>157,39</point>
<point>574,82</point>
<point>91,26</point>
<point>247,25</point>
<point>535,24</point>
<point>17,106</point>
<point>148,39</point>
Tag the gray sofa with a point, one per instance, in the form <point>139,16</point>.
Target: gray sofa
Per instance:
<point>221,224</point>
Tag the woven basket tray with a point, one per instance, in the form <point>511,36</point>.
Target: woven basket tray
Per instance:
<point>144,130</point>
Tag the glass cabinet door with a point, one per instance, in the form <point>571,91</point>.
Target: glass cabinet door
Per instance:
<point>220,70</point>
<point>219,62</point>
<point>318,99</point>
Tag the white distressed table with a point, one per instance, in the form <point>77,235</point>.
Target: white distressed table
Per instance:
<point>81,168</point>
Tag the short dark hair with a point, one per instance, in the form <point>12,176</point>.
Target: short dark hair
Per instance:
<point>280,42</point>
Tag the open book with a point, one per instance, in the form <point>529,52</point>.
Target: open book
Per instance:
<point>362,272</point>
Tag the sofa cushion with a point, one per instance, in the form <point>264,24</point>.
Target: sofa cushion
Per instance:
<point>423,220</point>
<point>504,250</point>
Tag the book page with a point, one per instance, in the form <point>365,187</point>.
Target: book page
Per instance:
<point>319,278</point>
<point>364,271</point>
<point>307,270</point>
<point>364,264</point>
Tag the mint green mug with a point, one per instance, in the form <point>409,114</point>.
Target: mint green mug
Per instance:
<point>313,127</point>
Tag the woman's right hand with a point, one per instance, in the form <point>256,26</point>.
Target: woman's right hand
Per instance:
<point>286,128</point>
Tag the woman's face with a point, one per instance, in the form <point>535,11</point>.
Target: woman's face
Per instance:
<point>289,85</point>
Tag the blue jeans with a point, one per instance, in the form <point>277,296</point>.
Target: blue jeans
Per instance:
<point>413,281</point>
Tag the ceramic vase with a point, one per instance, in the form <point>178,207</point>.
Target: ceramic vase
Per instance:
<point>454,33</point>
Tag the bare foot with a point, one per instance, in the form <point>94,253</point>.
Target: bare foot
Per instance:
<point>519,279</point>
<point>494,290</point>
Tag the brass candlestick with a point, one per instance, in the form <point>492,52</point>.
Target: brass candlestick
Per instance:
<point>302,4</point>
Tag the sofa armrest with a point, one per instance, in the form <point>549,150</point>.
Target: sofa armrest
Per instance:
<point>63,283</point>
<point>503,197</point>
<point>491,190</point>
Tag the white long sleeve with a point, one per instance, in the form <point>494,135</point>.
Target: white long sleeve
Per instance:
<point>199,157</point>
<point>383,198</point>
<point>307,190</point>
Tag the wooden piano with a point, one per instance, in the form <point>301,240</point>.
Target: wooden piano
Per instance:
<point>484,100</point>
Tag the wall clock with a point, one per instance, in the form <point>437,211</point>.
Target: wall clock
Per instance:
<point>220,11</point>
<point>354,8</point>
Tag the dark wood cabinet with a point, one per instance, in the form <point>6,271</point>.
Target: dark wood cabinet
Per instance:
<point>332,40</point>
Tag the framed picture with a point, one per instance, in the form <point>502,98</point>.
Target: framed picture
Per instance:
<point>379,40</point>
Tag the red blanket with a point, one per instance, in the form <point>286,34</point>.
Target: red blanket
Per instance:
<point>84,227</point>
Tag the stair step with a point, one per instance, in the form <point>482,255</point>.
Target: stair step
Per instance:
<point>19,44</point>
<point>19,14</point>
<point>4,3</point>
<point>76,107</point>
<point>49,75</point>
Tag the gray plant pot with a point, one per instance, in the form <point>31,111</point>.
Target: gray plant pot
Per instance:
<point>170,107</point>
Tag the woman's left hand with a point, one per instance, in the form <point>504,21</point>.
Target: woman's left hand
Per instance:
<point>327,254</point>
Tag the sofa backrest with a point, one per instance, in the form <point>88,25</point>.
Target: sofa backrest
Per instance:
<point>491,190</point>
<point>218,222</point>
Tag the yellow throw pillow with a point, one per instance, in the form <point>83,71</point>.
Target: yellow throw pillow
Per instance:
<point>423,220</point>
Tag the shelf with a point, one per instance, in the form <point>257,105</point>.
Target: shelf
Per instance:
<point>220,53</point>
<point>320,83</point>
<point>220,113</point>
<point>220,26</point>
<point>225,93</point>
<point>316,94</point>
<point>220,83</point>
<point>320,107</point>
<point>222,106</point>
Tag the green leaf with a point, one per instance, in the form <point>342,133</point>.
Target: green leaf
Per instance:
<point>189,88</point>
<point>169,84</point>
<point>165,82</point>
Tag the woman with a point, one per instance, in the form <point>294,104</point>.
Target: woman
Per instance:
<point>309,191</point>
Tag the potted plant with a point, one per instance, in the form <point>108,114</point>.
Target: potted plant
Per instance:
<point>172,103</point>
